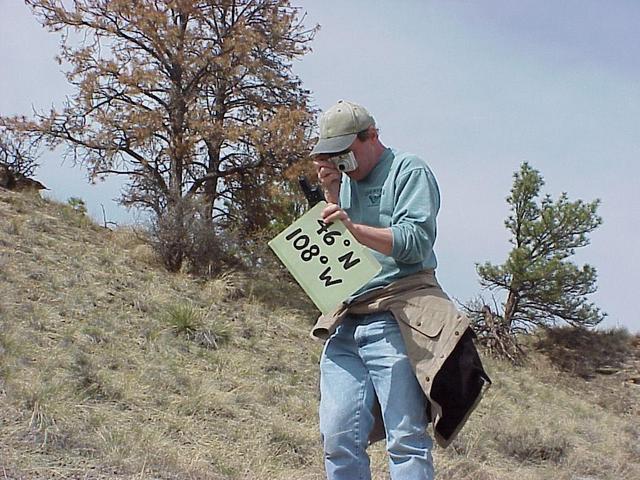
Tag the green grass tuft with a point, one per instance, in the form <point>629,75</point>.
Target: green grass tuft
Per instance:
<point>183,318</point>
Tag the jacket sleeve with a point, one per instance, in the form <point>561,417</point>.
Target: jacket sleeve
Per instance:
<point>413,223</point>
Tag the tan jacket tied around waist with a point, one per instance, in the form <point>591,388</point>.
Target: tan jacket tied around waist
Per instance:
<point>432,329</point>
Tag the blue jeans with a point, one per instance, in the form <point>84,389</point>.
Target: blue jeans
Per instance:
<point>366,358</point>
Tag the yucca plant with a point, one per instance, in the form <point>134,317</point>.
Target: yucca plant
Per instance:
<point>183,318</point>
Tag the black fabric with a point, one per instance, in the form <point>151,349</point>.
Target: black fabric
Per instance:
<point>458,384</point>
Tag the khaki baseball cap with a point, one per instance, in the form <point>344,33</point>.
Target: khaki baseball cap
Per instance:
<point>339,126</point>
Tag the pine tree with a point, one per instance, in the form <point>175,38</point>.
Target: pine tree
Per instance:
<point>543,286</point>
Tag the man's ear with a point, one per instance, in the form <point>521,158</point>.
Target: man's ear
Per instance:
<point>373,132</point>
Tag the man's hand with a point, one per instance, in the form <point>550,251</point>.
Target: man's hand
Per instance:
<point>329,177</point>
<point>379,239</point>
<point>333,212</point>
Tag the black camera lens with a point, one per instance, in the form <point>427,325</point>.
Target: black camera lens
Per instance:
<point>341,167</point>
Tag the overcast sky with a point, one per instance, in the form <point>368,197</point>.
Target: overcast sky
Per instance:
<point>474,87</point>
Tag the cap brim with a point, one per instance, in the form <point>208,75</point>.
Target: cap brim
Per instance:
<point>334,144</point>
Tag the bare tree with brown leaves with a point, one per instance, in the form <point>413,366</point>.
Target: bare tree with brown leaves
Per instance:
<point>19,152</point>
<point>193,100</point>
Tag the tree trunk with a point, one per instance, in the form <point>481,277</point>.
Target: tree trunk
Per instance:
<point>510,309</point>
<point>210,187</point>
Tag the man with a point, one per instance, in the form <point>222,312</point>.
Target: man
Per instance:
<point>375,364</point>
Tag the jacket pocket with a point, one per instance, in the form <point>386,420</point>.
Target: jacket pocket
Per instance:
<point>430,315</point>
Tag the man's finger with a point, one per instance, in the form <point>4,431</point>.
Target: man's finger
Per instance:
<point>328,169</point>
<point>329,209</point>
<point>333,212</point>
<point>326,174</point>
<point>320,164</point>
<point>339,215</point>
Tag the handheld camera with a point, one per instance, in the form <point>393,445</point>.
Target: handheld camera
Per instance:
<point>345,162</point>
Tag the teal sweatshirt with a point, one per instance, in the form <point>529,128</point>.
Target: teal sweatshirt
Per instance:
<point>401,193</point>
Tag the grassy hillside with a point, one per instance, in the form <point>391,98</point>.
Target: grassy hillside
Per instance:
<point>110,368</point>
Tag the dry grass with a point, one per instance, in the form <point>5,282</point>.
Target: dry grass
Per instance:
<point>111,368</point>
<point>584,352</point>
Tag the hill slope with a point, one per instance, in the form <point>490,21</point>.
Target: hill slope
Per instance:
<point>112,368</point>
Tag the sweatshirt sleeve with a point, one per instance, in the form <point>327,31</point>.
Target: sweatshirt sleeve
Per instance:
<point>413,222</point>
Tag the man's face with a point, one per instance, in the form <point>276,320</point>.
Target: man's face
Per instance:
<point>364,155</point>
<point>336,158</point>
<point>363,151</point>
